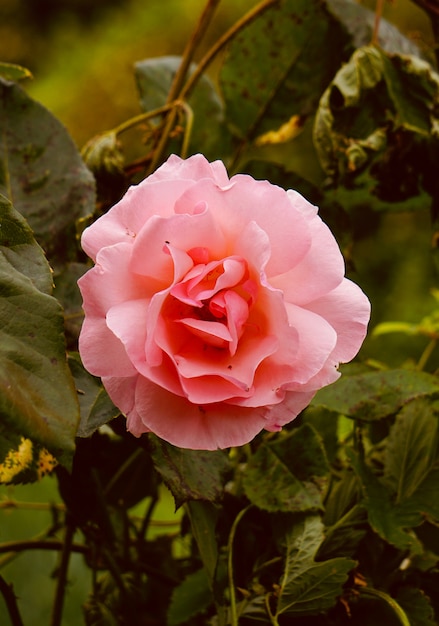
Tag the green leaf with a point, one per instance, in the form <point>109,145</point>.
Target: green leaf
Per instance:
<point>209,134</point>
<point>296,465</point>
<point>308,587</point>
<point>274,68</point>
<point>411,448</point>
<point>374,121</point>
<point>11,71</point>
<point>387,520</point>
<point>360,23</point>
<point>190,598</point>
<point>417,606</point>
<point>190,474</point>
<point>375,395</point>
<point>37,395</point>
<point>96,408</point>
<point>203,517</point>
<point>41,172</point>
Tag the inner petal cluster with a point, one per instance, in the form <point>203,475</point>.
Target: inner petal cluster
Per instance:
<point>213,300</point>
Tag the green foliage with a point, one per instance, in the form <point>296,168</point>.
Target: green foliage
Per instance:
<point>331,522</point>
<point>37,399</point>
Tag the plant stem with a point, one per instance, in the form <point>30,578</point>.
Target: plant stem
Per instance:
<point>426,354</point>
<point>403,619</point>
<point>191,47</point>
<point>234,615</point>
<point>179,79</point>
<point>11,602</point>
<point>20,546</point>
<point>376,26</point>
<point>56,619</point>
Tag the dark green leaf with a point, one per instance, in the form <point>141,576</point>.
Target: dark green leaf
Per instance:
<point>95,405</point>
<point>274,68</point>
<point>296,465</point>
<point>375,127</point>
<point>37,394</point>
<point>360,23</point>
<point>308,587</point>
<point>417,606</point>
<point>203,517</point>
<point>41,171</point>
<point>387,520</point>
<point>375,395</point>
<point>190,474</point>
<point>411,448</point>
<point>209,134</point>
<point>190,598</point>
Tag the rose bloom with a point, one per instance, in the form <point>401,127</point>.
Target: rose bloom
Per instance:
<point>216,307</point>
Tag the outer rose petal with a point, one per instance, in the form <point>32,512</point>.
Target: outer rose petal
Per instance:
<point>101,351</point>
<point>189,425</point>
<point>194,168</point>
<point>130,214</point>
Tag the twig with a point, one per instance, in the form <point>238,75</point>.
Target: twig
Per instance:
<point>376,26</point>
<point>56,619</point>
<point>179,78</point>
<point>11,602</point>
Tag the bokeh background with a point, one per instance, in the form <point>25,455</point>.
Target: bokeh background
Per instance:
<point>81,54</point>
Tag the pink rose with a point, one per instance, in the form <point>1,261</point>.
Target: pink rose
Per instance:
<point>217,307</point>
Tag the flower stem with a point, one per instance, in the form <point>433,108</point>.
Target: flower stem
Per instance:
<point>233,611</point>
<point>426,354</point>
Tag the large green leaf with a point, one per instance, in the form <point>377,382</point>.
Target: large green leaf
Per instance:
<point>190,474</point>
<point>37,394</point>
<point>374,395</point>
<point>296,464</point>
<point>41,171</point>
<point>209,134</point>
<point>390,522</point>
<point>274,68</point>
<point>412,447</point>
<point>309,587</point>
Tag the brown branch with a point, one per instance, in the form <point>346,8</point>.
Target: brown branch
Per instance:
<point>11,602</point>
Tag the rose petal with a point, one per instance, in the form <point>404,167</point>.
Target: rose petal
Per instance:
<point>129,215</point>
<point>347,309</point>
<point>111,282</point>
<point>247,200</point>
<point>101,351</point>
<point>182,232</point>
<point>320,271</point>
<point>188,425</point>
<point>194,168</point>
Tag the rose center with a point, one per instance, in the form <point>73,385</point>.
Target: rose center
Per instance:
<point>218,296</point>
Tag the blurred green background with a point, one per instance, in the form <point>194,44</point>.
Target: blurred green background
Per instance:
<point>81,54</point>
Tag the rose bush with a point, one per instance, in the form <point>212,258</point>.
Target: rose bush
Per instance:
<point>216,307</point>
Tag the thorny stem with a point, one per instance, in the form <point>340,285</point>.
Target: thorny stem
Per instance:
<point>56,619</point>
<point>11,602</point>
<point>233,612</point>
